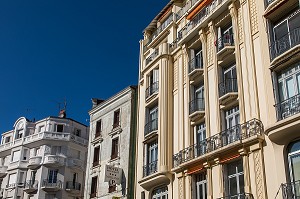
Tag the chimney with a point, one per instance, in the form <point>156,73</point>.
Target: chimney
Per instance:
<point>96,101</point>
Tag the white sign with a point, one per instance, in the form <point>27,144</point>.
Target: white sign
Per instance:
<point>113,174</point>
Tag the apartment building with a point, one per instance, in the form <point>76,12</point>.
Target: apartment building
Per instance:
<point>44,159</point>
<point>111,152</point>
<point>219,101</point>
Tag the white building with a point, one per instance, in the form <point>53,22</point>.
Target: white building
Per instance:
<point>112,143</point>
<point>43,159</point>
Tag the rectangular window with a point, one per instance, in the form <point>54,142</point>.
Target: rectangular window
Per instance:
<point>52,176</point>
<point>16,156</point>
<point>116,118</point>
<point>98,128</point>
<point>94,187</point>
<point>77,132</point>
<point>19,133</point>
<point>32,177</point>
<point>234,178</point>
<point>41,128</point>
<point>25,154</point>
<point>59,128</point>
<point>115,148</point>
<point>7,139</point>
<point>199,137</point>
<point>201,185</point>
<point>96,156</point>
<point>151,120</point>
<point>21,178</point>
<point>12,179</point>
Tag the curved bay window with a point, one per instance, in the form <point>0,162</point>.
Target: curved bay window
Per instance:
<point>160,193</point>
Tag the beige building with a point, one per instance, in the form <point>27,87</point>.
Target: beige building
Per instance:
<point>219,101</point>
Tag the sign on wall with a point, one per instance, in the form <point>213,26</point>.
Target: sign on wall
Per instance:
<point>113,175</point>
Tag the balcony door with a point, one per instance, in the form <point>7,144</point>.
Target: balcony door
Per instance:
<point>153,77</point>
<point>232,119</point>
<point>199,137</point>
<point>152,157</point>
<point>234,179</point>
<point>289,83</point>
<point>230,79</point>
<point>201,186</point>
<point>199,98</point>
<point>52,176</point>
<point>294,168</point>
<point>153,115</point>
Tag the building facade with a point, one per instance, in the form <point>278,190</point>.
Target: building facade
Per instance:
<point>112,147</point>
<point>44,159</point>
<point>219,101</point>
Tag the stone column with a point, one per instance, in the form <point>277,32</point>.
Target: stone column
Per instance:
<point>207,165</point>
<point>245,157</point>
<point>221,182</point>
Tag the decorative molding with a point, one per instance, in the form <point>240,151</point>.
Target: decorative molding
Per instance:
<point>175,73</point>
<point>258,174</point>
<point>253,16</point>
<point>240,25</point>
<point>181,188</point>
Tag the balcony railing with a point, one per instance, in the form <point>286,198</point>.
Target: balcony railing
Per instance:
<point>200,17</point>
<point>285,43</point>
<point>196,63</point>
<point>288,107</point>
<point>173,45</point>
<point>291,190</point>
<point>185,8</point>
<point>239,196</point>
<point>222,139</point>
<point>31,184</point>
<point>151,126</point>
<point>161,28</point>
<point>152,56</point>
<point>73,185</point>
<point>197,105</point>
<point>150,168</point>
<point>51,184</point>
<point>225,40</point>
<point>153,88</point>
<point>228,86</point>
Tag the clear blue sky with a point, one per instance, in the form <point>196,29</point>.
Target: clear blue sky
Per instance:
<point>73,49</point>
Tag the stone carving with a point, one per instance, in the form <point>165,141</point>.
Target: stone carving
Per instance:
<point>258,174</point>
<point>253,16</point>
<point>240,23</point>
<point>175,73</point>
<point>181,188</point>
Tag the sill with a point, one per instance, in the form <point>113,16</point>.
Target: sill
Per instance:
<point>97,139</point>
<point>114,159</point>
<point>114,131</point>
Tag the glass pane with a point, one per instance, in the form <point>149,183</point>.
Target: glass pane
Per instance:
<point>295,161</point>
<point>298,83</point>
<point>232,186</point>
<point>294,22</point>
<point>280,31</point>
<point>290,87</point>
<point>281,94</point>
<point>241,184</point>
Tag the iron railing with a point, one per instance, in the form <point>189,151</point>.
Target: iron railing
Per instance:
<point>197,105</point>
<point>31,184</point>
<point>152,56</point>
<point>203,14</point>
<point>153,88</point>
<point>185,8</point>
<point>151,126</point>
<point>239,196</point>
<point>288,107</point>
<point>225,40</point>
<point>228,86</point>
<point>222,139</point>
<point>196,63</point>
<point>291,190</point>
<point>173,45</point>
<point>285,43</point>
<point>161,28</point>
<point>150,168</point>
<point>73,185</point>
<point>52,184</point>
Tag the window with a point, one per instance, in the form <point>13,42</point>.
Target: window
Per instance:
<point>229,81</point>
<point>152,81</point>
<point>294,162</point>
<point>94,187</point>
<point>115,148</point>
<point>96,156</point>
<point>199,137</point>
<point>151,120</point>
<point>55,150</point>
<point>77,132</point>
<point>225,36</point>
<point>232,129</point>
<point>197,103</point>
<point>196,61</point>
<point>151,160</point>
<point>32,177</point>
<point>19,133</point>
<point>52,176</point>
<point>12,179</point>
<point>234,178</point>
<point>200,186</point>
<point>41,128</point>
<point>160,193</point>
<point>16,156</point>
<point>59,128</point>
<point>98,128</point>
<point>7,139</point>
<point>116,118</point>
<point>25,154</point>
<point>21,178</point>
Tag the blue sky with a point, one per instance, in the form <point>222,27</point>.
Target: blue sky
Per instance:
<point>74,49</point>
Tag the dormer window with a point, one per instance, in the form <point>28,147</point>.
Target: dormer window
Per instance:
<point>59,128</point>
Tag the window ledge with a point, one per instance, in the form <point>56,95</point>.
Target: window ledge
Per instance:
<point>114,131</point>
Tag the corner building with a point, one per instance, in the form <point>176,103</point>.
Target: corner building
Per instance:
<point>219,101</point>
<point>43,159</point>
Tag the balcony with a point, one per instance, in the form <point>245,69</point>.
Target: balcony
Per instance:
<point>288,108</point>
<point>31,186</point>
<point>3,171</point>
<point>290,190</point>
<point>228,91</point>
<point>185,8</point>
<point>73,187</point>
<point>150,168</point>
<point>152,56</point>
<point>75,163</point>
<point>54,161</point>
<point>197,109</point>
<point>236,136</point>
<point>51,186</point>
<point>196,67</point>
<point>151,127</point>
<point>239,196</point>
<point>152,89</point>
<point>286,43</point>
<point>225,46</point>
<point>34,162</point>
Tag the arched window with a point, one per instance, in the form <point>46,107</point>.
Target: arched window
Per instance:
<point>294,160</point>
<point>160,193</point>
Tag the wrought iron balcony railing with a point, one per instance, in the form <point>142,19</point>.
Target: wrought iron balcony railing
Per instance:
<point>196,63</point>
<point>185,8</point>
<point>151,126</point>
<point>285,43</point>
<point>152,56</point>
<point>31,184</point>
<point>197,105</point>
<point>150,168</point>
<point>225,40</point>
<point>73,185</point>
<point>201,16</point>
<point>153,88</point>
<point>52,184</point>
<point>222,139</point>
<point>228,86</point>
<point>291,190</point>
<point>288,107</point>
<point>239,196</point>
<point>173,45</point>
